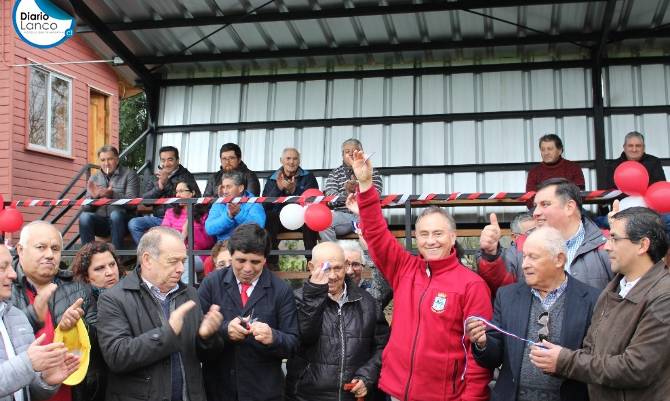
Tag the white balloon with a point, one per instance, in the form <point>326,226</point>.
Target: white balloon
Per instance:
<point>292,216</point>
<point>632,201</point>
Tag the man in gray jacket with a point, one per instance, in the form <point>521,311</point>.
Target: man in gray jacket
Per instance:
<point>113,182</point>
<point>28,369</point>
<point>558,204</point>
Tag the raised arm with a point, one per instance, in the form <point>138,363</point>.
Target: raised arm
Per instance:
<point>387,254</point>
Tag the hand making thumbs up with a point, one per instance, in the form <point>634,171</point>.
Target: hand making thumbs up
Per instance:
<point>488,239</point>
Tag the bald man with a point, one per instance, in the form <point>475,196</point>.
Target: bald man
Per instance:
<point>335,314</point>
<point>46,294</point>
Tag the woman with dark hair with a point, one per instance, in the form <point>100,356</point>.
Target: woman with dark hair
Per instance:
<point>97,265</point>
<point>177,218</point>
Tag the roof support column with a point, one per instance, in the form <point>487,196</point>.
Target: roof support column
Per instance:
<point>597,94</point>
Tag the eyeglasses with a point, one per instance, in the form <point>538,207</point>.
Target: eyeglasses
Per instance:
<point>183,191</point>
<point>614,239</point>
<point>355,265</point>
<point>543,333</point>
<point>228,159</point>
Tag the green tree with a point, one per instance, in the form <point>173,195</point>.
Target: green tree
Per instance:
<point>132,122</point>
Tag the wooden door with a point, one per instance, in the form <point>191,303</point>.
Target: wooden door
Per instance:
<point>98,124</point>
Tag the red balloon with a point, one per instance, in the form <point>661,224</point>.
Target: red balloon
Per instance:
<point>11,220</point>
<point>632,178</point>
<point>318,217</point>
<point>658,197</point>
<point>309,193</point>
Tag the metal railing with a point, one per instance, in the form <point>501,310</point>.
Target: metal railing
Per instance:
<point>85,171</point>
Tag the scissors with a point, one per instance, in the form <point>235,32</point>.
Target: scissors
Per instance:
<point>246,322</point>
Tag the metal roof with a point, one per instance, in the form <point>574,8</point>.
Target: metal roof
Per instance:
<point>161,38</point>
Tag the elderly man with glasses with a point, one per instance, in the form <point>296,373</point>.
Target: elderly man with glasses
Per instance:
<point>550,305</point>
<point>625,353</point>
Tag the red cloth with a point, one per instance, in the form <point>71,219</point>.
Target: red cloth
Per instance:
<point>495,273</point>
<point>208,266</point>
<point>64,393</point>
<point>563,168</point>
<point>244,294</point>
<point>425,355</point>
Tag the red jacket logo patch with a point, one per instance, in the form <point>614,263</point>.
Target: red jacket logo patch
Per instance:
<point>439,303</point>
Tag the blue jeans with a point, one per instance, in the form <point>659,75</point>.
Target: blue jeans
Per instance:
<point>199,268</point>
<point>341,225</point>
<point>139,225</point>
<point>91,224</point>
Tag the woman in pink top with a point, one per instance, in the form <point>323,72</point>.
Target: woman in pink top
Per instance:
<point>176,217</point>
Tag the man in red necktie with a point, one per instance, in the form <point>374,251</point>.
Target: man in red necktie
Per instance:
<point>259,322</point>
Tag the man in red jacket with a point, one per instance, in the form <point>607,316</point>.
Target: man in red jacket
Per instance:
<point>427,357</point>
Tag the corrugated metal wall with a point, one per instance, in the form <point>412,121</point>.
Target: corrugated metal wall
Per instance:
<point>472,142</point>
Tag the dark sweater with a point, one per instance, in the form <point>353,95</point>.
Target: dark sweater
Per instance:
<point>533,383</point>
<point>651,163</point>
<point>562,169</point>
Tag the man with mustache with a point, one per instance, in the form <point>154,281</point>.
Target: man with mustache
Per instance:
<point>28,369</point>
<point>48,295</point>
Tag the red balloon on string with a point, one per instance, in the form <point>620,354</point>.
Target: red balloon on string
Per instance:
<point>632,178</point>
<point>11,220</point>
<point>311,192</point>
<point>318,217</point>
<point>658,197</point>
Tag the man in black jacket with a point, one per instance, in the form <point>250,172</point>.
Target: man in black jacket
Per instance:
<point>259,323</point>
<point>634,149</point>
<point>152,331</point>
<point>231,160</point>
<point>342,334</point>
<point>47,294</point>
<point>170,173</point>
<point>289,180</point>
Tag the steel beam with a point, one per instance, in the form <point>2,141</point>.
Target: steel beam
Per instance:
<point>377,48</point>
<point>339,12</point>
<point>384,120</point>
<point>586,38</point>
<point>403,72</point>
<point>411,119</point>
<point>597,54</point>
<point>111,40</point>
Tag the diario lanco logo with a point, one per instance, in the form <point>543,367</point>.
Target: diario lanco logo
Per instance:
<point>41,24</point>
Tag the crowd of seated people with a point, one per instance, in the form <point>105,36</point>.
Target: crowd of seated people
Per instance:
<point>567,312</point>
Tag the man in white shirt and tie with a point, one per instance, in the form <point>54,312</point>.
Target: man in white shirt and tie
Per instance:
<point>260,325</point>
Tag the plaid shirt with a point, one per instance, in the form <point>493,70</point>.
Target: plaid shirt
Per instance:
<point>552,296</point>
<point>335,185</point>
<point>573,245</point>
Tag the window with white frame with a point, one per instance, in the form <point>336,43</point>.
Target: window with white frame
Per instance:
<point>49,111</point>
